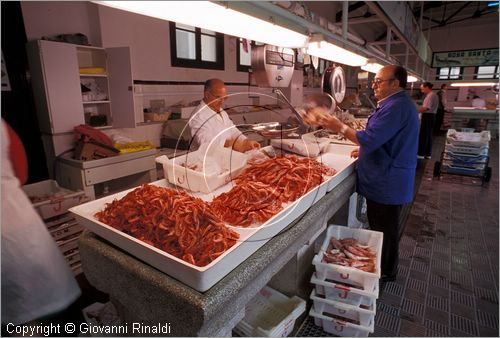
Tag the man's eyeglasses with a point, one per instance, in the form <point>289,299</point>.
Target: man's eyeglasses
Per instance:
<point>379,81</point>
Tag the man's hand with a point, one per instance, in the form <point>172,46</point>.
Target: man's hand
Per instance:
<point>313,116</point>
<point>243,145</point>
<point>355,153</point>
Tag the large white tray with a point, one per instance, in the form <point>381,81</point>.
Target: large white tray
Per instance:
<point>251,239</point>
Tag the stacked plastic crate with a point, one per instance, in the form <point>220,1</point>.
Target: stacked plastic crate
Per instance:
<point>465,153</point>
<point>52,203</point>
<point>270,314</point>
<point>344,297</point>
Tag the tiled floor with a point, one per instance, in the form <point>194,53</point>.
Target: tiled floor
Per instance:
<point>447,281</point>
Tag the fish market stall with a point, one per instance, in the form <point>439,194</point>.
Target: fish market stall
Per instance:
<point>210,300</point>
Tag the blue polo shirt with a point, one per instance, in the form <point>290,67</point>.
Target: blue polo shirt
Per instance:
<point>388,152</point>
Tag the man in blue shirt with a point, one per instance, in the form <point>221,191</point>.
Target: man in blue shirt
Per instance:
<point>386,158</point>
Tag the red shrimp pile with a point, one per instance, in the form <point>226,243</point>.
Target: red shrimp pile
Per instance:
<point>262,188</point>
<point>172,221</point>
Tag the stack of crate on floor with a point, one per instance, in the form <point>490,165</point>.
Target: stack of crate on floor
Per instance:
<point>466,153</point>
<point>52,203</point>
<point>344,297</point>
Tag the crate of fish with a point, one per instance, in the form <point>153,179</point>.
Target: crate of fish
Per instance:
<point>350,256</point>
<point>359,315</point>
<point>356,296</point>
<point>460,139</point>
<point>340,327</point>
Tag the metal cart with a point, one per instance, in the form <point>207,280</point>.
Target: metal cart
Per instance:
<point>465,153</point>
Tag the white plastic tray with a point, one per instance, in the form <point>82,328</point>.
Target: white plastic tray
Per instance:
<point>53,200</point>
<point>346,274</point>
<point>270,314</point>
<point>459,139</point>
<point>230,162</point>
<point>340,327</point>
<point>251,239</point>
<point>343,293</point>
<point>304,147</point>
<point>365,316</point>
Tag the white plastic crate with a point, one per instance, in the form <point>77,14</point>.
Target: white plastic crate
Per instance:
<point>339,327</point>
<point>482,150</point>
<point>208,178</point>
<point>66,229</point>
<point>270,314</point>
<point>51,200</point>
<point>354,314</point>
<point>345,274</point>
<point>343,293</point>
<point>305,146</point>
<point>459,139</point>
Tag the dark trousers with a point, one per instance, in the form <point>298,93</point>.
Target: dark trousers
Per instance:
<point>425,137</point>
<point>385,218</point>
<point>439,121</point>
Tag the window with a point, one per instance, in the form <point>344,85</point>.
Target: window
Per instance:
<point>487,72</point>
<point>193,47</point>
<point>449,73</point>
<point>243,55</point>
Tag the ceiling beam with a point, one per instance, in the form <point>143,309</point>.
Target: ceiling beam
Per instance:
<point>353,7</point>
<point>457,11</point>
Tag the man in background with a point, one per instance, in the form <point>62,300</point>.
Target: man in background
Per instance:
<point>428,109</point>
<point>443,102</point>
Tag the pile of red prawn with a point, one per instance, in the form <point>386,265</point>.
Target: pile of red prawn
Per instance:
<point>262,188</point>
<point>170,220</point>
<point>348,252</point>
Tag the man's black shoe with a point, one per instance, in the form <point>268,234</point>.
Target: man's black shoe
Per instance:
<point>388,278</point>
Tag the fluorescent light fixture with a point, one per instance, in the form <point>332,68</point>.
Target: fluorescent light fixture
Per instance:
<point>411,78</point>
<point>214,17</point>
<point>328,51</point>
<point>492,4</point>
<point>372,67</point>
<point>474,84</point>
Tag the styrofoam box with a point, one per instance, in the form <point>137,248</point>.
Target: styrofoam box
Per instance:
<point>343,293</point>
<point>271,314</point>
<point>323,306</point>
<point>251,239</point>
<point>346,274</point>
<point>304,146</point>
<point>58,200</point>
<point>231,162</point>
<point>340,327</point>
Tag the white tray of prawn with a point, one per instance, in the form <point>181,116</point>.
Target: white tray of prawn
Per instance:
<point>199,238</point>
<point>351,257</point>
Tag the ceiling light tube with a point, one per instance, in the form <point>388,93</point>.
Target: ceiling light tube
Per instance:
<point>473,84</point>
<point>411,78</point>
<point>372,67</point>
<point>328,51</point>
<point>211,16</point>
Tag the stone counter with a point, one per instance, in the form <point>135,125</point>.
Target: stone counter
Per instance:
<point>143,294</point>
